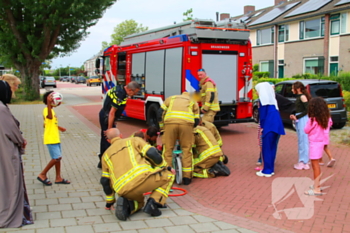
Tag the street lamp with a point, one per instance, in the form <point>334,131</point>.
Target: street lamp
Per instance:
<point>69,70</point>
<point>60,70</point>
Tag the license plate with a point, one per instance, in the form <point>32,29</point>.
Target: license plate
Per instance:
<point>49,81</point>
<point>332,105</point>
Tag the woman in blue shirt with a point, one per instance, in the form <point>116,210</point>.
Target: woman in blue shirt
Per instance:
<point>271,126</point>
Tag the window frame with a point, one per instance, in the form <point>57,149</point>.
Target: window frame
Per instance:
<point>285,31</point>
<point>309,59</point>
<point>303,32</point>
<point>259,35</point>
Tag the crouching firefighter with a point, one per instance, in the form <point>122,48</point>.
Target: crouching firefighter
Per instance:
<point>212,128</point>
<point>207,154</point>
<point>130,168</point>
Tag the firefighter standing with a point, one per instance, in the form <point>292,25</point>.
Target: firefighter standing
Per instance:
<point>112,109</point>
<point>212,128</point>
<point>178,115</point>
<point>207,154</point>
<point>130,168</point>
<point>209,96</point>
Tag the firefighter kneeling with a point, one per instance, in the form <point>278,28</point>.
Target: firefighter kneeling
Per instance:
<point>130,168</point>
<point>207,155</point>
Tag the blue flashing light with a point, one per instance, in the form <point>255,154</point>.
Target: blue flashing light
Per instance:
<point>183,37</point>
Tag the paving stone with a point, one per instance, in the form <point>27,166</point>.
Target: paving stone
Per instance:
<point>109,218</point>
<point>131,231</point>
<point>37,196</point>
<point>173,206</point>
<point>183,220</point>
<point>94,212</point>
<point>39,208</point>
<point>75,229</point>
<point>48,215</point>
<point>243,230</point>
<point>60,207</point>
<point>179,229</point>
<point>63,222</point>
<point>133,225</point>
<point>204,227</point>
<point>92,199</point>
<point>106,227</point>
<point>226,231</point>
<point>159,222</point>
<point>153,230</point>
<point>182,212</point>
<point>89,220</point>
<point>83,206</point>
<point>59,195</point>
<point>37,224</point>
<point>51,230</point>
<point>225,226</point>
<point>70,200</point>
<point>201,218</point>
<point>73,213</point>
<point>78,194</point>
<point>53,201</point>
<point>23,231</point>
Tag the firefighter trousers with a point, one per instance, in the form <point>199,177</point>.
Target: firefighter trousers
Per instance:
<point>209,116</point>
<point>159,184</point>
<point>201,169</point>
<point>183,133</point>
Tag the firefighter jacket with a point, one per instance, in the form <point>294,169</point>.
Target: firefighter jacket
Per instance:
<point>126,165</point>
<point>116,97</point>
<point>212,128</point>
<point>209,95</point>
<point>179,109</point>
<point>205,145</point>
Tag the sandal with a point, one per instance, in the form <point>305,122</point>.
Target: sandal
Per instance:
<point>311,192</point>
<point>321,188</point>
<point>64,181</point>
<point>46,182</point>
<point>331,163</point>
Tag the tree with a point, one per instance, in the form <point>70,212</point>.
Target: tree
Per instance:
<point>34,30</point>
<point>188,15</point>
<point>122,30</point>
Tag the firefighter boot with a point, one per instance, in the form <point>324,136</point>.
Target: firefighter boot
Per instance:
<point>124,208</point>
<point>99,165</point>
<point>225,161</point>
<point>186,181</point>
<point>219,169</point>
<point>152,208</point>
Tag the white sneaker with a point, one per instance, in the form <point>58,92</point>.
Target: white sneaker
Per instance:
<point>301,166</point>
<point>259,173</point>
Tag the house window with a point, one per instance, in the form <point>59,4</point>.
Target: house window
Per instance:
<point>265,36</point>
<point>335,24</point>
<point>312,28</point>
<point>283,33</point>
<point>314,65</point>
<point>264,66</point>
<point>343,19</point>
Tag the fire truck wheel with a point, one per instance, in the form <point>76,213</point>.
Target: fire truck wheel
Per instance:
<point>152,115</point>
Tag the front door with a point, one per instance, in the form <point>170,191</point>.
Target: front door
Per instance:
<point>280,71</point>
<point>333,69</point>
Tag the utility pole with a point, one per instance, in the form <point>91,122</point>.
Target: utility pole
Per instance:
<point>60,70</point>
<point>69,70</point>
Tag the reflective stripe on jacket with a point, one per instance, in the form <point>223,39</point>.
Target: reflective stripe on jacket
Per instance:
<point>208,87</point>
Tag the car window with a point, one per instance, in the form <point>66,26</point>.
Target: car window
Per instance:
<point>325,90</point>
<point>287,92</point>
<point>278,89</point>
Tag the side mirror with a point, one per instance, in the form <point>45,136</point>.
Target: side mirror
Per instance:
<point>97,63</point>
<point>97,71</point>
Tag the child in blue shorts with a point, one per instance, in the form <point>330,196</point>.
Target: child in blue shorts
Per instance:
<point>52,141</point>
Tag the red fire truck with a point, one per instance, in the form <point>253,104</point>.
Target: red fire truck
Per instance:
<point>165,62</point>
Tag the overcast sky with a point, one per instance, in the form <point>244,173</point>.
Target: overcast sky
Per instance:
<point>151,13</point>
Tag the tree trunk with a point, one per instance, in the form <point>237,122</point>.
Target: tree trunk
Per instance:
<point>30,78</point>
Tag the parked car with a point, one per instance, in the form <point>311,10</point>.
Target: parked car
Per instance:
<point>80,79</point>
<point>48,81</point>
<point>72,79</point>
<point>93,80</point>
<point>64,78</point>
<point>329,90</point>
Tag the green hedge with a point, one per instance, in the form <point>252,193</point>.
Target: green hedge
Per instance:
<point>258,74</point>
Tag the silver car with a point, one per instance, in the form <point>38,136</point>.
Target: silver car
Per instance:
<point>48,81</point>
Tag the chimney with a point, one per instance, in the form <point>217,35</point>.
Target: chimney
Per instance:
<point>249,8</point>
<point>277,2</point>
<point>224,16</point>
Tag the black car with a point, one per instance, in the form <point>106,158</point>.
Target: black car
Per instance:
<point>72,79</point>
<point>80,79</point>
<point>64,78</point>
<point>330,91</point>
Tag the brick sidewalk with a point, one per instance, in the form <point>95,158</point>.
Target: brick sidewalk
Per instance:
<point>79,207</point>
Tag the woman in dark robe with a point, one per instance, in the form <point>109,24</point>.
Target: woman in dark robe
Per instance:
<point>14,205</point>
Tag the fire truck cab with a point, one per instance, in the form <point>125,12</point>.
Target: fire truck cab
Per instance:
<point>165,61</point>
